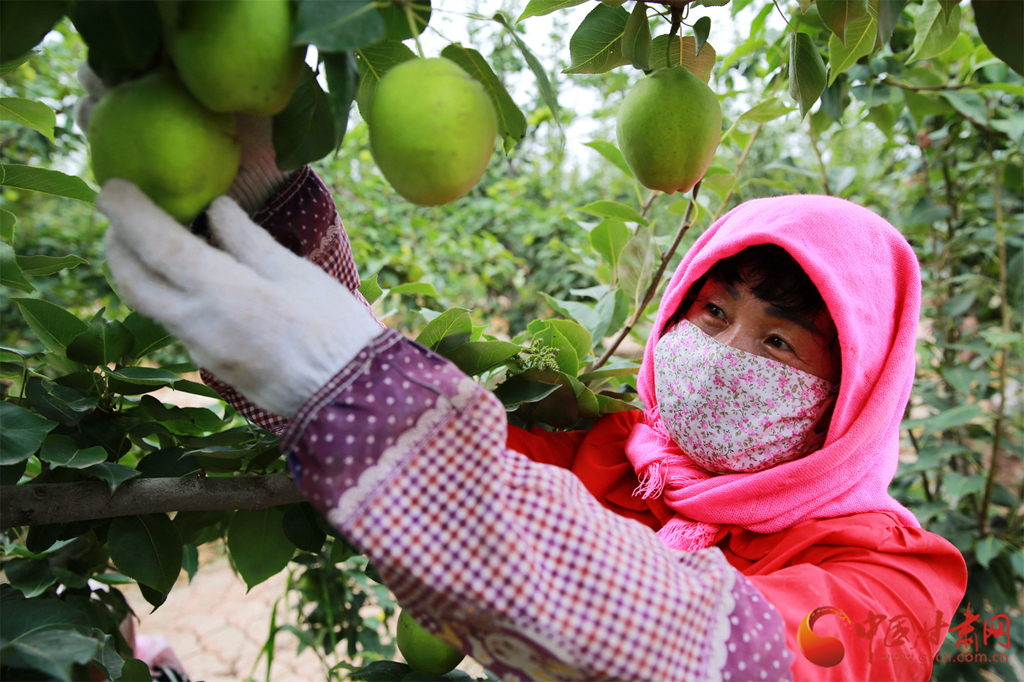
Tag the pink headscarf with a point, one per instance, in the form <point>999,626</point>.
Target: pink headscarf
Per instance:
<point>868,276</point>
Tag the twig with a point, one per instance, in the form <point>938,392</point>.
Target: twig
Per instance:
<point>739,167</point>
<point>34,504</point>
<point>997,437</point>
<point>888,80</point>
<point>653,288</point>
<point>788,25</point>
<point>817,153</point>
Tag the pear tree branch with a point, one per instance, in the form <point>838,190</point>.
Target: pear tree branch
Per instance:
<point>36,504</point>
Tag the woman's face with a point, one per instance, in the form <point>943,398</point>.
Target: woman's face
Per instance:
<point>732,315</point>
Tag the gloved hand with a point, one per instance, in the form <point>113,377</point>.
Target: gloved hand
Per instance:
<point>258,178</point>
<point>268,322</point>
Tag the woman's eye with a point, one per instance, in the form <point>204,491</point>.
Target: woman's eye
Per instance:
<point>777,342</point>
<point>715,310</point>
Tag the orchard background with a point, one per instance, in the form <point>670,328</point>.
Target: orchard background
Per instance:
<point>540,282</point>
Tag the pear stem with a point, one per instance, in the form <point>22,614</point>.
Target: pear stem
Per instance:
<point>411,18</point>
<point>677,20</point>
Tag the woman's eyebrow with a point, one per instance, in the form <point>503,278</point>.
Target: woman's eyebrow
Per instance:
<point>794,317</point>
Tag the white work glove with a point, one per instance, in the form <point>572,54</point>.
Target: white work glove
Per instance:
<point>258,178</point>
<point>274,326</point>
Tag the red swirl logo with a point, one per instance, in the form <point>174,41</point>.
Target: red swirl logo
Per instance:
<point>823,651</point>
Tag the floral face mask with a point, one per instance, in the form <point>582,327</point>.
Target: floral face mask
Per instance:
<point>733,411</point>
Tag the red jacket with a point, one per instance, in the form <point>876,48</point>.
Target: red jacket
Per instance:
<point>887,591</point>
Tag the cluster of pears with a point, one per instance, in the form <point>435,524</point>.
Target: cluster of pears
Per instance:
<point>172,132</point>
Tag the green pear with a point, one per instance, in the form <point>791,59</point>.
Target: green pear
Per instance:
<point>152,132</point>
<point>234,55</point>
<point>668,129</point>
<point>423,651</point>
<point>432,130</point>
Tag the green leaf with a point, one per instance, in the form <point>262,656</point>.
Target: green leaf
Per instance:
<point>374,62</point>
<point>301,528</point>
<point>397,23</point>
<point>450,329</point>
<point>948,419</point>
<point>101,344</point>
<point>37,266</point>
<point>476,357</point>
<point>304,130</point>
<point>370,290</point>
<point>608,372</point>
<point>806,72</point>
<point>611,153</point>
<point>258,545</point>
<point>52,325</point>
<point>11,274</point>
<point>969,104</point>
<point>772,108</point>
<point>609,238</point>
<point>54,652</point>
<point>65,405</point>
<point>839,14</point>
<point>123,37</point>
<point>581,312</point>
<point>511,121</point>
<point>135,670</point>
<point>860,40</point>
<point>149,335</point>
<point>415,289</point>
<point>113,474</point>
<point>28,113</point>
<point>22,434</point>
<point>195,388</point>
<point>46,181</point>
<point>934,35</point>
<point>636,39</point>
<point>888,16</point>
<point>988,549</point>
<point>30,576</point>
<point>517,391</point>
<point>7,222</point>
<point>24,24</point>
<point>147,548</point>
<point>537,8</point>
<point>142,376</point>
<point>1001,27</point>
<point>13,64</point>
<point>576,335</point>
<point>595,46</point>
<point>547,93</point>
<point>337,26</point>
<point>342,73</point>
<point>683,52</point>
<point>701,30</point>
<point>636,265</point>
<point>62,451</point>
<point>613,209</point>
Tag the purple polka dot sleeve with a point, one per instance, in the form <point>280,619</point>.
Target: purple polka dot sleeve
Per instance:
<point>512,561</point>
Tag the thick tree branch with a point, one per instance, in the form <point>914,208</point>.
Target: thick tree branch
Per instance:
<point>32,505</point>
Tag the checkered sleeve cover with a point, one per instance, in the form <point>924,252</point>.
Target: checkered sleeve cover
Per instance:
<point>512,561</point>
<point>301,216</point>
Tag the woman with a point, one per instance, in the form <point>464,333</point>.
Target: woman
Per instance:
<point>554,572</point>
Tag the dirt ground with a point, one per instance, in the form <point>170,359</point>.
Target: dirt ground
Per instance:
<point>217,630</point>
